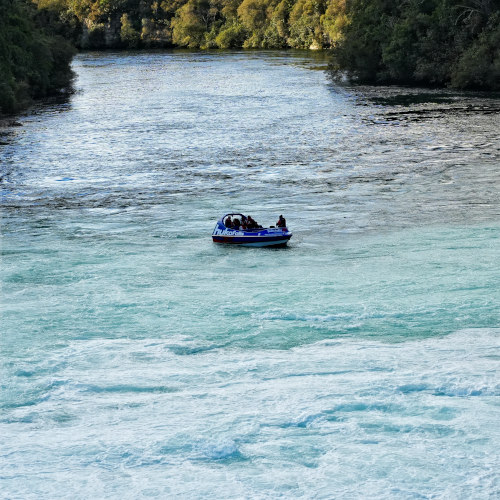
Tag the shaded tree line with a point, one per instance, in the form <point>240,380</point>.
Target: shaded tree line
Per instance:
<point>431,42</point>
<point>202,24</point>
<point>34,58</point>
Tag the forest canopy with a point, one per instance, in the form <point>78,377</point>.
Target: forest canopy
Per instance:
<point>431,42</point>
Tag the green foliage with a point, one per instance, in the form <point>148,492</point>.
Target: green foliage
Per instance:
<point>334,22</point>
<point>96,37</point>
<point>253,14</point>
<point>33,62</point>
<point>479,66</point>
<point>305,24</point>
<point>128,35</point>
<point>431,42</point>
<point>192,23</point>
<point>231,37</point>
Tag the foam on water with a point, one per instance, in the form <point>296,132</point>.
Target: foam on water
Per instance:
<point>141,360</point>
<point>345,417</point>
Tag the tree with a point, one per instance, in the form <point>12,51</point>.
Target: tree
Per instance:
<point>231,36</point>
<point>191,23</point>
<point>33,62</point>
<point>334,22</point>
<point>305,24</point>
<point>128,35</point>
<point>479,66</point>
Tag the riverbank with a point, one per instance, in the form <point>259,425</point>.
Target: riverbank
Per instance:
<point>9,123</point>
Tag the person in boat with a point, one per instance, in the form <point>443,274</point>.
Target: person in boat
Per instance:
<point>281,222</point>
<point>236,223</point>
<point>250,223</point>
<point>253,223</point>
<point>228,222</point>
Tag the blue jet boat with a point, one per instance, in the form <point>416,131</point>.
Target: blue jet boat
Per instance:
<point>261,237</point>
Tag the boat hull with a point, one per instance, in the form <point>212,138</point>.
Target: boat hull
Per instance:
<point>261,238</point>
<point>252,242</point>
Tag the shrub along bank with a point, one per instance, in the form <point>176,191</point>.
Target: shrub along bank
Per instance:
<point>34,59</point>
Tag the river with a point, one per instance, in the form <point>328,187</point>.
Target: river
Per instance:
<point>139,359</point>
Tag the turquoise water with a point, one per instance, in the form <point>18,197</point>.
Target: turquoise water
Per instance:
<point>139,359</point>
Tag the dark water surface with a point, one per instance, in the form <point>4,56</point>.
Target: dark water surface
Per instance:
<point>140,359</point>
